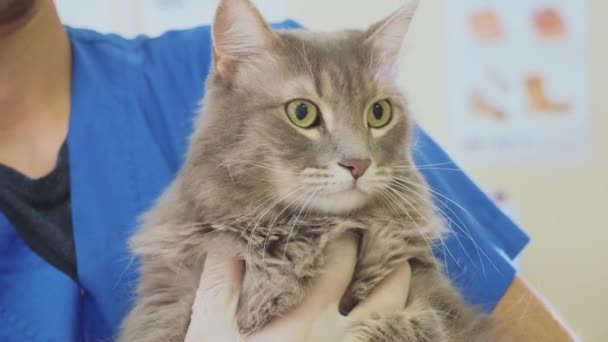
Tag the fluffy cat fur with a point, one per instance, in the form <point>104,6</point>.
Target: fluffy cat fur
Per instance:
<point>275,194</point>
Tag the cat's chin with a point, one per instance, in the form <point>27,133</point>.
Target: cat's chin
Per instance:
<point>340,202</point>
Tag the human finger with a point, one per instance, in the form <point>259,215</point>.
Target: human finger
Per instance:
<point>391,294</point>
<point>336,274</point>
<point>214,309</point>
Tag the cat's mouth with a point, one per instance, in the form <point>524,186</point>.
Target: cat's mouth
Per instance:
<point>332,190</point>
<point>328,198</point>
<point>342,201</point>
<point>340,197</point>
<point>343,188</point>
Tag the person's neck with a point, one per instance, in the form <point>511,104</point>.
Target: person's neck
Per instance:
<point>35,82</point>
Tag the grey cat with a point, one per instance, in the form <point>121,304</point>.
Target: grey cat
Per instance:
<point>302,136</point>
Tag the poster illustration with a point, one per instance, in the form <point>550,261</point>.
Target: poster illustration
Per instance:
<point>518,83</point>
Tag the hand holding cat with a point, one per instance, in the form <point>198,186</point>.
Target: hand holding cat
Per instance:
<point>316,319</point>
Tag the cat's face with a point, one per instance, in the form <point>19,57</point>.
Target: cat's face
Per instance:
<point>314,121</point>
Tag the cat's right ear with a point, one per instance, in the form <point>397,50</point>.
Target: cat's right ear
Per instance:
<point>385,38</point>
<point>240,36</point>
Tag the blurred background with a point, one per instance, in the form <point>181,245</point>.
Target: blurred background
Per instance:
<point>515,91</point>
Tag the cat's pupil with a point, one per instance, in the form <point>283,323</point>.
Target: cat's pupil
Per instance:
<point>301,111</point>
<point>378,111</point>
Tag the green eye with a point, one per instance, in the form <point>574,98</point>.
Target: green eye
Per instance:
<point>379,114</point>
<point>302,113</point>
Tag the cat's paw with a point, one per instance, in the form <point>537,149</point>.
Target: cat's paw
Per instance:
<point>254,315</point>
<point>267,298</point>
<point>399,326</point>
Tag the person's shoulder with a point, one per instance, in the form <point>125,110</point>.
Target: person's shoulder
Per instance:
<point>286,25</point>
<point>183,38</point>
<point>87,37</point>
<point>179,58</point>
<point>96,39</point>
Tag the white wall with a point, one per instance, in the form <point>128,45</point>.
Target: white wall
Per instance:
<point>151,17</point>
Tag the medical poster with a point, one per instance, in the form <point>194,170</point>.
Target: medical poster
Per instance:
<point>518,83</point>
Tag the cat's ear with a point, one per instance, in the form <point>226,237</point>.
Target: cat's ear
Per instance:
<point>240,35</point>
<point>385,38</point>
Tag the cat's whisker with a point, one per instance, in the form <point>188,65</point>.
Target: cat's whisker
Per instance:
<point>247,215</point>
<point>439,236</point>
<point>396,196</point>
<point>386,200</point>
<point>280,198</point>
<point>400,206</point>
<point>314,172</point>
<point>266,166</point>
<point>310,206</point>
<point>467,234</point>
<point>296,220</point>
<point>294,200</point>
<point>429,189</point>
<point>426,231</point>
<point>250,239</point>
<point>276,198</point>
<point>427,168</point>
<point>443,216</point>
<point>385,204</point>
<point>405,183</point>
<point>414,166</point>
<point>271,225</point>
<point>406,186</point>
<point>247,162</point>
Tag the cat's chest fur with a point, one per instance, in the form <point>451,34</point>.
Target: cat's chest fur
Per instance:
<point>285,254</point>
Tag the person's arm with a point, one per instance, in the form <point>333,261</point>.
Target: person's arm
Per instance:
<point>522,315</point>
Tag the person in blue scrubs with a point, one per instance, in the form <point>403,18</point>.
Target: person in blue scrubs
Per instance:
<point>93,127</point>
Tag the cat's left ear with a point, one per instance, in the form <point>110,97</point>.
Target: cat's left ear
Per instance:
<point>240,36</point>
<point>385,38</point>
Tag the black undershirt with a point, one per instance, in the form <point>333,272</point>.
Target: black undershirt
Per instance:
<point>40,211</point>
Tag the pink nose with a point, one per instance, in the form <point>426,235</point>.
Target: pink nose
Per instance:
<point>357,167</point>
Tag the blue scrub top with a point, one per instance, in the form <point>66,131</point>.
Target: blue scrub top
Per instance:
<point>133,103</point>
